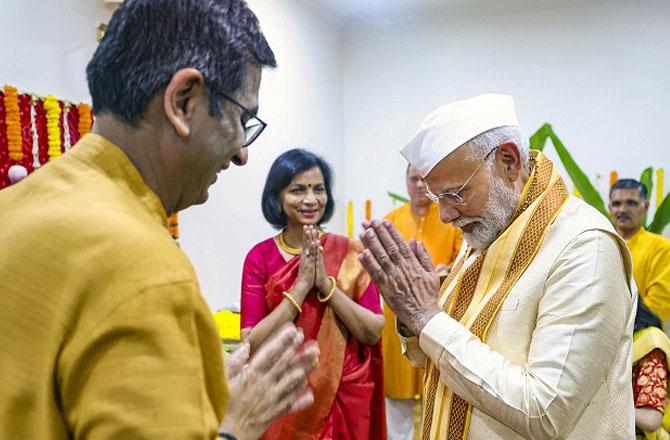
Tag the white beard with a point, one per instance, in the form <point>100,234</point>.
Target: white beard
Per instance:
<point>497,212</point>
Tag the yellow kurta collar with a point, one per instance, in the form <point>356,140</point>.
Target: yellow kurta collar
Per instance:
<point>109,159</point>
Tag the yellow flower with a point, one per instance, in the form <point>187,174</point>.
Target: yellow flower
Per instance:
<point>228,324</point>
<point>53,111</point>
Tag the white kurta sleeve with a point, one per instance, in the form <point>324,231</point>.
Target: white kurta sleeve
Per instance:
<point>580,320</point>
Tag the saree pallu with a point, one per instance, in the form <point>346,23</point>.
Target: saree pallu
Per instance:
<point>348,383</point>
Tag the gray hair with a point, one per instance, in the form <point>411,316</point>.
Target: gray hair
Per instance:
<point>482,144</point>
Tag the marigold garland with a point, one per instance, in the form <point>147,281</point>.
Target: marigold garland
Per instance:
<point>85,119</point>
<point>73,124</point>
<point>61,119</point>
<point>4,154</point>
<point>13,122</point>
<point>34,130</point>
<point>41,129</point>
<point>25,113</point>
<point>52,107</point>
<point>3,130</point>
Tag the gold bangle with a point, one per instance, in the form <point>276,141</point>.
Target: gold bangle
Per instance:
<point>331,291</point>
<point>293,301</point>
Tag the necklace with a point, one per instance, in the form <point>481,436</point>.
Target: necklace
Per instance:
<point>288,249</point>
<point>285,247</point>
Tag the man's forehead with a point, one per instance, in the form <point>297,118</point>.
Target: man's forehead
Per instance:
<point>449,171</point>
<point>626,193</point>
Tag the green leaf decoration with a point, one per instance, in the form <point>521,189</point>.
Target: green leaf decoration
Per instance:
<point>662,216</point>
<point>583,184</point>
<point>398,197</point>
<point>539,139</point>
<point>647,179</point>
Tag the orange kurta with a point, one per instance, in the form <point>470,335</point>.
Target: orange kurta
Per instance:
<point>401,380</point>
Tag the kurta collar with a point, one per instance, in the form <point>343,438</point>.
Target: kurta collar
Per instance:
<point>102,154</point>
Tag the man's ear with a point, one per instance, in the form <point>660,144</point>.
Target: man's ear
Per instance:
<point>509,154</point>
<point>178,99</point>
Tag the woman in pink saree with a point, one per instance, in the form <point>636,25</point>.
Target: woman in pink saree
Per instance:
<point>315,280</point>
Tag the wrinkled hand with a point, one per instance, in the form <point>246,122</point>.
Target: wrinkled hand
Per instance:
<point>402,272</point>
<point>272,384</point>
<point>307,269</point>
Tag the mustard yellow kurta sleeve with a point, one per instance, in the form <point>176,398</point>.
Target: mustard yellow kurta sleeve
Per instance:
<point>401,379</point>
<point>103,331</point>
<point>651,270</point>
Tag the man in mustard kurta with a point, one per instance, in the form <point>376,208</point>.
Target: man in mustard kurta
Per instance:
<point>103,331</point>
<point>419,219</point>
<point>651,252</point>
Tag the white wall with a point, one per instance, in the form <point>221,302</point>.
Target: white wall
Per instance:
<point>47,44</point>
<point>598,72</point>
<point>302,103</point>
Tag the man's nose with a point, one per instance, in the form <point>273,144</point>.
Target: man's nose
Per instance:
<point>447,212</point>
<point>241,157</point>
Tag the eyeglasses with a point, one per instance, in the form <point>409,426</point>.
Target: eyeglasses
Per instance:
<point>454,198</point>
<point>253,127</point>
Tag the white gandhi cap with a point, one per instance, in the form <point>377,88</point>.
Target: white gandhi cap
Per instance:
<point>452,125</point>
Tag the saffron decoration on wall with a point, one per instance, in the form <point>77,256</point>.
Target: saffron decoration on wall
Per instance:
<point>34,130</point>
<point>614,176</point>
<point>368,210</point>
<point>350,219</point>
<point>13,123</point>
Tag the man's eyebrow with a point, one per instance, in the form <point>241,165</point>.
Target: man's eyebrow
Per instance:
<point>449,187</point>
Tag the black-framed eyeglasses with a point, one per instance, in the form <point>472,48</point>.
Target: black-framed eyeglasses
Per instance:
<point>454,198</point>
<point>253,126</point>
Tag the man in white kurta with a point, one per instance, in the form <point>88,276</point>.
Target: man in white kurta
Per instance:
<point>530,336</point>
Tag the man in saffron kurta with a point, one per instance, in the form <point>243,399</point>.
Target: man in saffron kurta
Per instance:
<point>103,331</point>
<point>530,334</point>
<point>651,252</point>
<point>419,219</point>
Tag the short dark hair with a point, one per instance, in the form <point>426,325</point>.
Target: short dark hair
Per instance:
<point>147,41</point>
<point>284,168</point>
<point>630,184</point>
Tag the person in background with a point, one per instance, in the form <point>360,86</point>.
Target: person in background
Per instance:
<point>104,333</point>
<point>628,206</point>
<point>314,279</point>
<point>530,335</point>
<point>419,219</point>
<point>651,351</point>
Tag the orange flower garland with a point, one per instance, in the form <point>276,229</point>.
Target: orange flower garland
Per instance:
<point>85,120</point>
<point>52,107</point>
<point>13,121</point>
